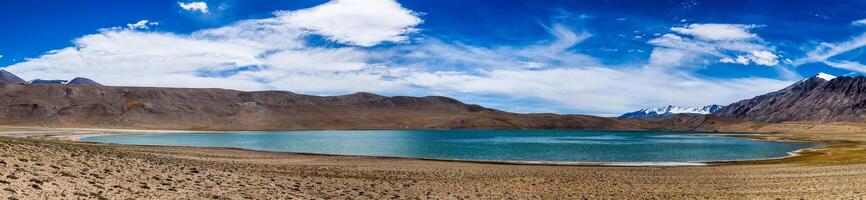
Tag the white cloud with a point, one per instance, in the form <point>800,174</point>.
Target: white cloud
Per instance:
<point>262,33</point>
<point>758,57</point>
<point>349,21</point>
<point>738,60</point>
<point>668,57</point>
<point>194,6</point>
<point>126,57</point>
<point>576,81</point>
<point>861,22</point>
<point>254,54</point>
<point>697,44</point>
<point>601,90</point>
<point>762,57</point>
<point>439,55</point>
<point>717,31</point>
<point>272,53</point>
<point>142,24</point>
<point>319,59</point>
<point>849,65</point>
<point>360,22</point>
<point>826,51</point>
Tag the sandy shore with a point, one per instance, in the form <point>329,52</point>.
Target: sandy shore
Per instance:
<point>50,166</point>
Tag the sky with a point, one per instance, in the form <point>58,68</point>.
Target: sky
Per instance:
<point>601,57</point>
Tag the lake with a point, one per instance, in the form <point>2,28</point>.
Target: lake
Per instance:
<point>546,146</point>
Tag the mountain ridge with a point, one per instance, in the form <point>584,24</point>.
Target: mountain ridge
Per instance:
<point>91,105</point>
<point>669,111</point>
<point>95,106</point>
<point>820,98</point>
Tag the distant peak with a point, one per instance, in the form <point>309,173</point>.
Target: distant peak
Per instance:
<point>82,81</point>
<point>825,76</point>
<point>8,77</point>
<point>669,111</point>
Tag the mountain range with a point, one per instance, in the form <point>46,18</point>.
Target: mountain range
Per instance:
<point>9,77</point>
<point>85,103</point>
<point>93,105</point>
<point>669,111</point>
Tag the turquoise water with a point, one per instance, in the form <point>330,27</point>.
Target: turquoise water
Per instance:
<point>494,145</point>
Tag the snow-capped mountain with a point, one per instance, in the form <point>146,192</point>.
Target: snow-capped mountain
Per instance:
<point>820,98</point>
<point>669,111</point>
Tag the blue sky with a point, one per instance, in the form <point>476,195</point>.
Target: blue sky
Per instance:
<point>590,57</point>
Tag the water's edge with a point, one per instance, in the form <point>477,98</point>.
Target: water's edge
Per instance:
<point>794,153</point>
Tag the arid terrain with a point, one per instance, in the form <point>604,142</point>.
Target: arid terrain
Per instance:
<point>403,99</point>
<point>44,164</point>
<point>42,158</point>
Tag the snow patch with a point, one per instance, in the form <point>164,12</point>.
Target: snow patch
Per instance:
<point>678,110</point>
<point>825,76</point>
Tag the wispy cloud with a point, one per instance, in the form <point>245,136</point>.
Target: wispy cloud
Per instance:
<point>717,31</point>
<point>579,81</point>
<point>861,22</point>
<point>824,53</point>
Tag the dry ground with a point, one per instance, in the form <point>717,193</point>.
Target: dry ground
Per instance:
<point>32,168</point>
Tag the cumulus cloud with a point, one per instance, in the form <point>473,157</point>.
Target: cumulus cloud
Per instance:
<point>194,6</point>
<point>355,22</point>
<point>349,21</point>
<point>272,53</point>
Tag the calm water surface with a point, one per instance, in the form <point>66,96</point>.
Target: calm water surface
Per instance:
<point>498,145</point>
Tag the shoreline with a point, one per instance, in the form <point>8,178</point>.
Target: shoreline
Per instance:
<point>50,165</point>
<point>76,134</point>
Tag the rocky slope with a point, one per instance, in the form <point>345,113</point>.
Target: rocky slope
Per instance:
<point>8,77</point>
<point>73,105</point>
<point>821,98</point>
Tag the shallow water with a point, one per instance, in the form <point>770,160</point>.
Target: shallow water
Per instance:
<point>493,145</point>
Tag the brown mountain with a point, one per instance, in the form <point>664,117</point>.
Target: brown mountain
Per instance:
<point>74,105</point>
<point>8,77</point>
<point>821,98</point>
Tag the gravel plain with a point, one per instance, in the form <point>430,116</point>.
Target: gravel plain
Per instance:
<point>41,167</point>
